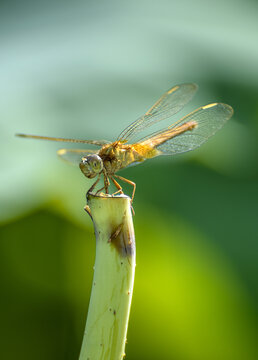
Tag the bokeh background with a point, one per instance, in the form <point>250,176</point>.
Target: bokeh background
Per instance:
<point>86,69</point>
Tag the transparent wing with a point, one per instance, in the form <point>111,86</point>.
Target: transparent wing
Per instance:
<point>92,142</point>
<point>191,131</point>
<point>74,156</point>
<point>169,104</point>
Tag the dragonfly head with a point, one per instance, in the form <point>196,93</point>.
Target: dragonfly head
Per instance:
<point>91,165</point>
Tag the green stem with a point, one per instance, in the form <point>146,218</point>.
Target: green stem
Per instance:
<point>111,295</point>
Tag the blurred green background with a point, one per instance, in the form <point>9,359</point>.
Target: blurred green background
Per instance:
<point>86,69</point>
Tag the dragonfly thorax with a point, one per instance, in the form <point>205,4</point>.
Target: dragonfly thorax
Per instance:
<point>91,165</point>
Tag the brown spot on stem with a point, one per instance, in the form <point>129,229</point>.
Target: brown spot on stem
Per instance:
<point>122,239</point>
<point>118,223</point>
<point>115,234</point>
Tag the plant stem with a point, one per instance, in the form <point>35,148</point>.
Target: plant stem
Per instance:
<point>111,294</point>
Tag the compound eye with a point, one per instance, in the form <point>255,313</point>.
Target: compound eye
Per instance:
<point>95,163</point>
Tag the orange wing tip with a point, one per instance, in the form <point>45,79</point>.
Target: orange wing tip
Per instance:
<point>61,152</point>
<point>209,106</point>
<point>173,89</point>
<point>216,104</point>
<point>225,106</point>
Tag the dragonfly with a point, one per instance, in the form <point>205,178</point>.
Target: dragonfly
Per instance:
<point>181,136</point>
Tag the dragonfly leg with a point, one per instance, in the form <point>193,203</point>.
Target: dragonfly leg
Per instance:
<point>118,186</point>
<point>93,186</point>
<point>106,183</point>
<point>128,182</point>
